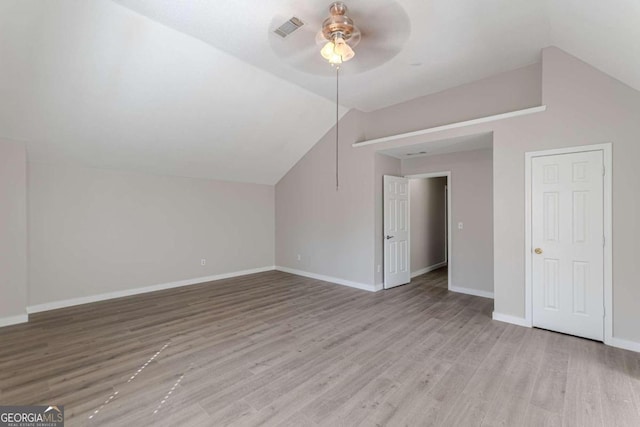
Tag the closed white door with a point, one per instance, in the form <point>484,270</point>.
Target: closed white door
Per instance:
<point>396,231</point>
<point>568,243</point>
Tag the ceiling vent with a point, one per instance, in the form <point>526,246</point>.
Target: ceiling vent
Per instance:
<point>288,27</point>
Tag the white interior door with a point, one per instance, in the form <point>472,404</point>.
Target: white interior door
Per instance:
<point>568,243</point>
<point>396,231</point>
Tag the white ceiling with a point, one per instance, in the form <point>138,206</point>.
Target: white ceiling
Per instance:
<point>605,34</point>
<point>455,42</point>
<point>96,84</point>
<point>194,88</point>
<point>479,141</point>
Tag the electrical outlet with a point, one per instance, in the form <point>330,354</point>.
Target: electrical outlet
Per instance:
<point>299,257</point>
<point>203,261</point>
<point>460,226</point>
<point>379,268</point>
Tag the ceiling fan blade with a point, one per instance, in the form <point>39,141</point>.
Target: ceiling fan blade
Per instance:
<point>366,60</point>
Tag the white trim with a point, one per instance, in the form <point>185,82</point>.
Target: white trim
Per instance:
<point>136,291</point>
<point>450,126</point>
<point>608,230</point>
<point>428,269</point>
<point>13,320</point>
<point>514,320</point>
<point>625,344</point>
<point>608,244</point>
<point>469,291</point>
<point>446,218</point>
<point>528,300</point>
<point>336,280</point>
<point>442,174</point>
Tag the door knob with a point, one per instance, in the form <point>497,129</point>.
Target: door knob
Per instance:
<point>537,251</point>
<point>389,237</point>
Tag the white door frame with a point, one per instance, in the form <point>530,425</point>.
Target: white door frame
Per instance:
<point>608,231</point>
<point>442,174</point>
<point>446,214</point>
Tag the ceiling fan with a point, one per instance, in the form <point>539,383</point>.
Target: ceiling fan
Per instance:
<point>310,39</point>
<point>340,35</point>
<point>385,29</point>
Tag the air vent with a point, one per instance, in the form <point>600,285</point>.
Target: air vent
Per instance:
<point>288,27</point>
<point>416,154</point>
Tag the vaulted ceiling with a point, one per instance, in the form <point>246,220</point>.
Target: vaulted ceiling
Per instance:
<point>198,88</point>
<point>96,84</point>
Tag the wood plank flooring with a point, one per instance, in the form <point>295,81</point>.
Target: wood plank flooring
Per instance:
<point>278,349</point>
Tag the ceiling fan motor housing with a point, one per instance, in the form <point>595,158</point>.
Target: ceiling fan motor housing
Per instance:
<point>338,24</point>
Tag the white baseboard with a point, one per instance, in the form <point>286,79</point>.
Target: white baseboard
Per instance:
<point>625,344</point>
<point>14,320</point>
<point>336,280</point>
<point>136,291</point>
<point>520,321</point>
<point>613,342</point>
<point>469,291</point>
<point>428,269</point>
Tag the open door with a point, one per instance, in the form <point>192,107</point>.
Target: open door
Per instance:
<point>396,231</point>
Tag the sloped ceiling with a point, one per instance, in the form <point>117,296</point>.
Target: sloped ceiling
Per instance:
<point>605,34</point>
<point>450,42</point>
<point>193,88</point>
<point>96,84</point>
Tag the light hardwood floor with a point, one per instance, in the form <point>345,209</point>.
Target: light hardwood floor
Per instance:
<point>278,349</point>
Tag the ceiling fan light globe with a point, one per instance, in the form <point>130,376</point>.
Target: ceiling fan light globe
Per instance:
<point>337,51</point>
<point>348,56</point>
<point>339,45</point>
<point>328,51</point>
<point>344,50</point>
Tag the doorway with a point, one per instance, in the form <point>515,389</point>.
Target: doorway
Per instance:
<point>417,233</point>
<point>428,218</point>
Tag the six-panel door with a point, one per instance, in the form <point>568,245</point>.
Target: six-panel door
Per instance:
<point>396,231</point>
<point>568,243</point>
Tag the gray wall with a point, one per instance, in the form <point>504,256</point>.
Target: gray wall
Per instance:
<point>514,90</point>
<point>472,204</point>
<point>584,106</point>
<point>335,231</point>
<point>329,228</point>
<point>428,222</point>
<point>13,230</point>
<point>95,231</point>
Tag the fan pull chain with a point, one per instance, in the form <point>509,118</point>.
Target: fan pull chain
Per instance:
<point>337,122</point>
